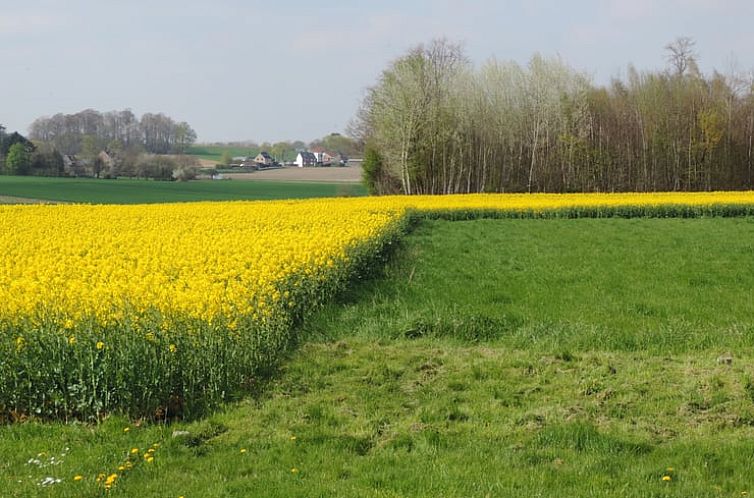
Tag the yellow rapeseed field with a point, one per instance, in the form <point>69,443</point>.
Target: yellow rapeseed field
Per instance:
<point>151,308</point>
<point>203,260</point>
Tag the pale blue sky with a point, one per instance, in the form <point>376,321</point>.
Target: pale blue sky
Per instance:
<point>296,69</point>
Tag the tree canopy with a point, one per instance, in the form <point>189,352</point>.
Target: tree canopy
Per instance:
<point>441,125</point>
<point>156,133</point>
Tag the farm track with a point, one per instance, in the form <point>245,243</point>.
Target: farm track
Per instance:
<point>8,199</point>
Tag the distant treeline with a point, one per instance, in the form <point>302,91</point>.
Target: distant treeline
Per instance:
<point>153,133</point>
<point>433,123</point>
<point>90,155</point>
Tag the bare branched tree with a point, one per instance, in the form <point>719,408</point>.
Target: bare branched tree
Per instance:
<point>681,55</point>
<point>440,126</point>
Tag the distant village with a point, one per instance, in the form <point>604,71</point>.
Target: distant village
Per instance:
<point>315,157</point>
<point>105,164</point>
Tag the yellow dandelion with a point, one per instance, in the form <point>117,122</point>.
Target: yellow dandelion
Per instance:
<point>110,481</point>
<point>134,451</point>
<point>243,450</point>
<point>293,438</point>
<point>149,459</point>
<point>667,478</point>
<point>172,348</point>
<point>78,477</point>
<point>126,429</point>
<point>72,340</point>
<point>294,470</point>
<point>100,345</point>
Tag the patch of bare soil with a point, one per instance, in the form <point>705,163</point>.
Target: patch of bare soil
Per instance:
<point>333,174</point>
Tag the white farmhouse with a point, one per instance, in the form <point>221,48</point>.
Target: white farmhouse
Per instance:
<point>304,159</point>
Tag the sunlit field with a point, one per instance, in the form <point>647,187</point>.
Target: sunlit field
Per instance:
<point>369,341</point>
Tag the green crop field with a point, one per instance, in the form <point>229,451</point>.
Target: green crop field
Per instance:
<point>588,357</point>
<point>122,191</point>
<point>215,152</point>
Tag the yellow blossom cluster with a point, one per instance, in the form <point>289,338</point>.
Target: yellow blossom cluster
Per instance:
<point>200,259</point>
<point>549,202</point>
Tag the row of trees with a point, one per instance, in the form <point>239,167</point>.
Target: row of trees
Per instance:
<point>435,124</point>
<point>154,133</point>
<point>20,156</point>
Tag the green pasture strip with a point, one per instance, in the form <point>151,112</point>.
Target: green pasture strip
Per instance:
<point>363,417</point>
<point>126,191</point>
<point>215,152</point>
<point>666,285</point>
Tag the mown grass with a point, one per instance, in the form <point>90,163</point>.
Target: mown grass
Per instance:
<point>492,358</point>
<point>123,191</point>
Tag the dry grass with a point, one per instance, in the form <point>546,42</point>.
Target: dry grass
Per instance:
<point>7,199</point>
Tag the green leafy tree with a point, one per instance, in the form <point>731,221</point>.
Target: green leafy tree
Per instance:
<point>46,161</point>
<point>89,147</point>
<point>374,176</point>
<point>283,151</point>
<point>18,160</point>
<point>185,136</point>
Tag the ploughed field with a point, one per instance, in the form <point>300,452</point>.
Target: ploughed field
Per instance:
<point>475,357</point>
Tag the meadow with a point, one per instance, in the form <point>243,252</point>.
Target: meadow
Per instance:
<point>126,191</point>
<point>215,152</point>
<point>513,351</point>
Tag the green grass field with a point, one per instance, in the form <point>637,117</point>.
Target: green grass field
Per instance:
<point>589,357</point>
<point>215,152</point>
<point>122,191</point>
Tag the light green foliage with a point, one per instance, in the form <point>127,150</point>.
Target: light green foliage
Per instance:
<point>18,160</point>
<point>337,143</point>
<point>283,152</point>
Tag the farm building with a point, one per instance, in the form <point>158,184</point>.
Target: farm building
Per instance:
<point>305,158</point>
<point>264,159</point>
<point>323,156</point>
